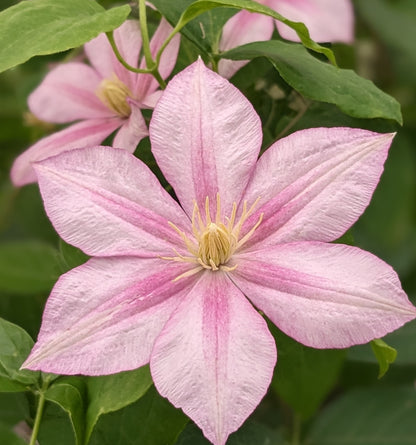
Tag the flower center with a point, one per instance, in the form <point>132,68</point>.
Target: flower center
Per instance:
<point>216,245</point>
<point>215,240</point>
<point>114,93</point>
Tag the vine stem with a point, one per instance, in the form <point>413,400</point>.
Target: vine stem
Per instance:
<point>38,418</point>
<point>110,38</point>
<point>145,35</point>
<point>295,120</point>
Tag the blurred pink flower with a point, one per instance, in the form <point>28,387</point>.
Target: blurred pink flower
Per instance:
<point>102,97</point>
<point>175,284</point>
<point>326,20</point>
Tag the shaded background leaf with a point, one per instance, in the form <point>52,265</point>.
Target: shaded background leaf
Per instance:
<point>15,345</point>
<point>112,392</point>
<point>27,267</point>
<point>152,420</point>
<point>368,416</point>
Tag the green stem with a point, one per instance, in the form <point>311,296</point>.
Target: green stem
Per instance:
<point>296,429</point>
<point>159,78</point>
<point>110,37</point>
<point>296,119</point>
<point>153,70</point>
<point>39,413</point>
<point>175,30</point>
<point>145,35</point>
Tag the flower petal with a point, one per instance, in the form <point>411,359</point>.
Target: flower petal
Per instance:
<point>324,295</point>
<point>104,316</point>
<point>129,42</point>
<point>215,357</point>
<point>107,202</point>
<point>315,183</point>
<point>244,27</point>
<point>67,94</point>
<point>326,20</point>
<point>132,131</point>
<point>89,132</point>
<point>205,137</point>
<point>146,84</point>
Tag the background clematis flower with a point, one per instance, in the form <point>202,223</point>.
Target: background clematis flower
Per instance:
<point>177,285</point>
<point>102,97</point>
<point>326,20</point>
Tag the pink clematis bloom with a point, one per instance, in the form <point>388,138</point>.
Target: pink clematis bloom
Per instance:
<point>326,20</point>
<point>175,284</point>
<point>102,97</point>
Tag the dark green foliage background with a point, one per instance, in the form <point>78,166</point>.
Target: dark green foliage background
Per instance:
<point>316,397</point>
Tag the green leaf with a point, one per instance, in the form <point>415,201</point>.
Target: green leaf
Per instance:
<point>321,81</point>
<point>304,376</point>
<point>368,416</point>
<point>403,341</point>
<point>385,354</point>
<point>27,267</point>
<point>251,433</point>
<point>8,437</point>
<point>56,426</point>
<point>70,256</point>
<point>201,6</point>
<point>204,32</point>
<point>67,394</point>
<point>40,27</point>
<point>14,408</point>
<point>152,420</point>
<point>113,392</point>
<point>15,345</point>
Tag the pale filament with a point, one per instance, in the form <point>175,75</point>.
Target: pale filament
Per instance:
<point>214,243</point>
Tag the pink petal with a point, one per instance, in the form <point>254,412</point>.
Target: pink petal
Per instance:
<point>326,20</point>
<point>205,137</point>
<point>89,132</point>
<point>129,41</point>
<point>215,357</point>
<point>147,84</point>
<point>67,94</point>
<point>107,202</point>
<point>132,131</point>
<point>244,27</point>
<point>324,295</point>
<point>315,183</point>
<point>103,317</point>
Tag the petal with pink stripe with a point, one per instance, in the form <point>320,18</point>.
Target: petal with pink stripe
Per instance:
<point>83,134</point>
<point>324,295</point>
<point>68,94</point>
<point>314,184</point>
<point>103,317</point>
<point>214,357</point>
<point>326,20</point>
<point>217,148</point>
<point>107,202</point>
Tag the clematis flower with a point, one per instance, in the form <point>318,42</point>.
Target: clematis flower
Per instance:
<point>326,20</point>
<point>177,285</point>
<point>102,97</point>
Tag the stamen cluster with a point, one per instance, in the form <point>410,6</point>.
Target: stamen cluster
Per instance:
<point>214,241</point>
<point>114,93</point>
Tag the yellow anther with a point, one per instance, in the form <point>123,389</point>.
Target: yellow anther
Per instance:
<point>114,93</point>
